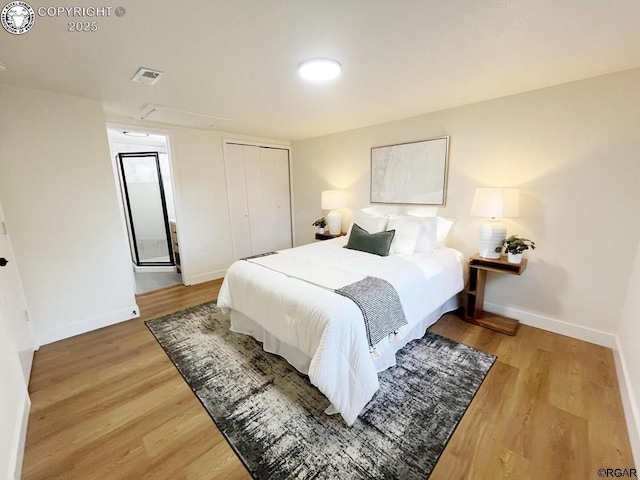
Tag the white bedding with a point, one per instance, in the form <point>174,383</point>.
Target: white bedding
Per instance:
<point>300,309</point>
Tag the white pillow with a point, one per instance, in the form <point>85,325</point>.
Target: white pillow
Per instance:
<point>433,233</point>
<point>407,232</point>
<point>370,222</point>
<point>428,237</point>
<point>444,227</point>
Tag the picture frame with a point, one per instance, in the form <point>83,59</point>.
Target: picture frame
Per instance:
<point>410,173</point>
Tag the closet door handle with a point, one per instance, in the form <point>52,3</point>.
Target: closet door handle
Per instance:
<point>3,261</point>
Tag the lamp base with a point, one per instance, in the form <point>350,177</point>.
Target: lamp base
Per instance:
<point>334,221</point>
<point>490,237</point>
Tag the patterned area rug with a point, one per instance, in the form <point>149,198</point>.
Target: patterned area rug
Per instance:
<point>274,418</point>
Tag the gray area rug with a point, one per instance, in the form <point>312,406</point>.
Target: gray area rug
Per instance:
<point>274,418</point>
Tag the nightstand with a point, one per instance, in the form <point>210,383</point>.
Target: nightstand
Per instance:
<point>328,236</point>
<point>473,310</point>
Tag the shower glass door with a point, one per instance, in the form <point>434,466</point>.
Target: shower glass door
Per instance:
<point>145,208</point>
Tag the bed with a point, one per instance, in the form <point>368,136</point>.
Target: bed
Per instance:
<point>288,302</point>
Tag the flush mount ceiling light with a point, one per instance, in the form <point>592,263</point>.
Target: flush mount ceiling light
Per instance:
<point>136,134</point>
<point>319,69</point>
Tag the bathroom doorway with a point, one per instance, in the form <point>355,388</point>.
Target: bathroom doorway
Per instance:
<point>142,162</point>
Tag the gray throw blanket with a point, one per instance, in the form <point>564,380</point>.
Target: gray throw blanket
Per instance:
<point>258,255</point>
<point>380,306</point>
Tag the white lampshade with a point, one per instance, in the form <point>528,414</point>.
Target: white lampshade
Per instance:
<point>333,200</point>
<point>494,202</point>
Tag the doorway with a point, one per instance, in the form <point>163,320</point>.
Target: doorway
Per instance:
<point>143,166</point>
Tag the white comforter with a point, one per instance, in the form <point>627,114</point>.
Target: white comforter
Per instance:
<point>300,308</point>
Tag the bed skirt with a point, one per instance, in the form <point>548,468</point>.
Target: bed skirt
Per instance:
<point>386,349</point>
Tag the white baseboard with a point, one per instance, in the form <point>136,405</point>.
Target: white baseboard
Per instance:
<point>556,326</point>
<point>154,269</point>
<point>51,335</point>
<point>205,277</point>
<point>629,401</point>
<point>20,438</point>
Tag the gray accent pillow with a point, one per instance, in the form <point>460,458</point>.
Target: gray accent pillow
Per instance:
<point>376,243</point>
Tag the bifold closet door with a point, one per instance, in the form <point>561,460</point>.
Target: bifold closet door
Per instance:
<point>268,198</point>
<point>238,206</point>
<point>259,198</point>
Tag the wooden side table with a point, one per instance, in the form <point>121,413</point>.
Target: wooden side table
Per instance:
<point>473,311</point>
<point>328,236</point>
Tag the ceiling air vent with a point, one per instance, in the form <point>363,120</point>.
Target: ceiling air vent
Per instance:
<point>147,76</point>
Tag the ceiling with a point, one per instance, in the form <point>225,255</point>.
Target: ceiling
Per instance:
<point>237,59</point>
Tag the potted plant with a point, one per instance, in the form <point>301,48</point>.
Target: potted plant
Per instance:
<point>320,223</point>
<point>514,246</point>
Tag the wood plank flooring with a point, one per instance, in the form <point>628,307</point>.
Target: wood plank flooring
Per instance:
<point>110,405</point>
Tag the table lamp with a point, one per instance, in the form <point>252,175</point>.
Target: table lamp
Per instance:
<point>333,200</point>
<point>494,203</point>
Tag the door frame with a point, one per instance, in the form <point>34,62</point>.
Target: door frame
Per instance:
<point>175,186</point>
<point>14,380</point>
<point>31,336</point>
<point>17,362</point>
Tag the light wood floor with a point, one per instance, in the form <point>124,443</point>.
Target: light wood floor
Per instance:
<point>110,405</point>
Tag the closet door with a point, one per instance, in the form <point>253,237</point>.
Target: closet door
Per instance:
<point>282,198</point>
<point>258,191</point>
<point>238,206</point>
<point>259,198</point>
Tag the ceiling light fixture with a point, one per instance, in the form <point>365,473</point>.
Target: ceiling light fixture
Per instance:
<point>319,69</point>
<point>136,134</point>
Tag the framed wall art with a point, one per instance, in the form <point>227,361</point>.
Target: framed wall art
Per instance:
<point>410,173</point>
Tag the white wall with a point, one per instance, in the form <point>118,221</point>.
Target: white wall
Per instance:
<point>203,218</point>
<point>573,152</point>
<point>628,356</point>
<point>200,197</point>
<point>59,197</point>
